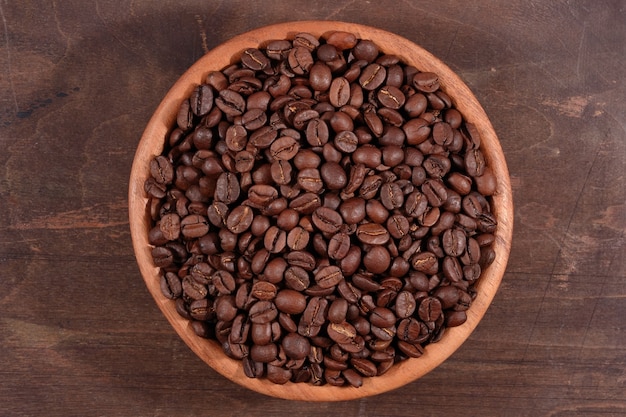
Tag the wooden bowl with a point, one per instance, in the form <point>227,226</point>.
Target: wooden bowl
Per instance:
<point>152,143</point>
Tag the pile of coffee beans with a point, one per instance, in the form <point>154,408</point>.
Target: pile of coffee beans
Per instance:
<point>321,210</point>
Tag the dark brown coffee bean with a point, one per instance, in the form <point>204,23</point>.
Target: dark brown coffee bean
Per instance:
<point>263,137</point>
<point>300,60</point>
<point>296,346</point>
<point>435,191</point>
<point>239,219</point>
<point>194,226</point>
<point>227,189</point>
<point>341,332</point>
<point>262,312</point>
<point>405,305</point>
<point>333,175</point>
<point>162,170</point>
<point>376,211</point>
<point>368,155</point>
<point>275,240</point>
<point>171,286</point>
<point>298,238</point>
<point>346,141</point>
<point>390,96</point>
<point>350,263</point>
<point>284,148</point>
<point>339,246</point>
<point>398,226</point>
<point>224,282</point>
<point>455,318</point>
<point>372,76</point>
<point>309,179</point>
<point>454,242</point>
<point>254,59</point>
<point>341,40</point>
<point>416,130</point>
<point>315,311</point>
<point>262,195</point>
<point>425,262</point>
<point>427,82</point>
<point>377,260</point>
<point>339,93</point>
<point>328,276</point>
<point>372,234</point>
<point>327,220</point>
<point>391,195</point>
<point>430,309</point>
<point>201,100</point>
<point>475,162</point>
<point>170,226</point>
<point>296,278</point>
<point>352,210</point>
<point>302,259</point>
<point>231,103</point>
<point>290,301</point>
<point>409,330</point>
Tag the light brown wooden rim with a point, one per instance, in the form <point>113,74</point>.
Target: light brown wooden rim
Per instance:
<point>152,142</point>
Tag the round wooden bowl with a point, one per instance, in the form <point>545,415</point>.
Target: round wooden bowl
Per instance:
<point>152,143</point>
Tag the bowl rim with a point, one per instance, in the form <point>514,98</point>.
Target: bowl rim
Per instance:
<point>152,143</point>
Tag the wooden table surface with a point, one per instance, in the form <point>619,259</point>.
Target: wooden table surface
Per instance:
<point>81,336</point>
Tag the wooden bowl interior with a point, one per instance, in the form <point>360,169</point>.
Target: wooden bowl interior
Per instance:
<point>152,143</point>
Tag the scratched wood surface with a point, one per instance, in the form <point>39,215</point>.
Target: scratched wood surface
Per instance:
<point>79,333</point>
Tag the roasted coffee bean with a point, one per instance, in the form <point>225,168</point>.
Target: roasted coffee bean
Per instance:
<point>284,148</point>
<point>454,242</point>
<point>339,93</point>
<point>275,240</point>
<point>309,179</point>
<point>372,234</point>
<point>352,210</point>
<point>430,309</point>
<point>171,286</point>
<point>298,238</point>
<point>227,189</point>
<point>372,76</point>
<point>201,100</point>
<point>327,220</point>
<point>239,220</point>
<point>377,260</point>
<point>391,195</point>
<point>333,175</point>
<point>162,170</point>
<point>328,276</point>
<point>296,346</point>
<point>346,141</point>
<point>426,82</point>
<point>231,103</point>
<point>339,246</point>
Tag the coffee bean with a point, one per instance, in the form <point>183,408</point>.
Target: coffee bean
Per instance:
<point>284,148</point>
<point>377,260</point>
<point>372,234</point>
<point>333,175</point>
<point>275,240</point>
<point>328,276</point>
<point>298,238</point>
<point>391,195</point>
<point>339,246</point>
<point>239,220</point>
<point>430,309</point>
<point>327,220</point>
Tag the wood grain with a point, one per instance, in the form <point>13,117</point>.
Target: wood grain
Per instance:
<point>80,334</point>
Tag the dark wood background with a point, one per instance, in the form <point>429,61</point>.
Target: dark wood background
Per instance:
<point>79,79</point>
